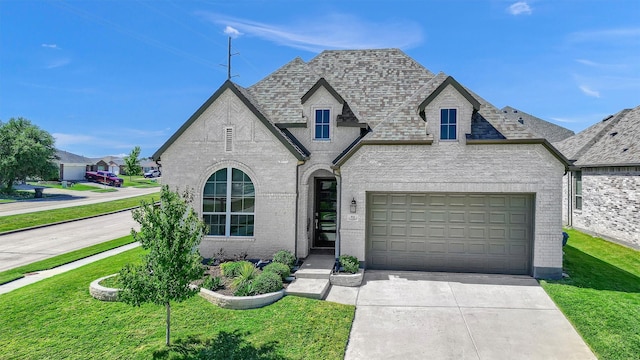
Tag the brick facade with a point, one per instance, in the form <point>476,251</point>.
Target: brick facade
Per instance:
<point>610,204</point>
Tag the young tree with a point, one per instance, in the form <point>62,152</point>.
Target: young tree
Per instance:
<point>25,151</point>
<point>132,163</point>
<point>171,232</point>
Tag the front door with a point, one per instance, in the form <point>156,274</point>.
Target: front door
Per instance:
<point>325,213</point>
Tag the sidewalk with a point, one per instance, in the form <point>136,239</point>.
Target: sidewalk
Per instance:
<point>35,277</point>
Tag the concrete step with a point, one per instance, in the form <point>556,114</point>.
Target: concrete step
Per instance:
<point>310,288</point>
<point>312,273</point>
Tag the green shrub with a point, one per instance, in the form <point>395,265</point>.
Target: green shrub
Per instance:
<point>285,257</point>
<point>267,282</point>
<point>245,289</point>
<point>280,269</point>
<point>349,263</point>
<point>245,274</point>
<point>212,283</point>
<point>231,269</point>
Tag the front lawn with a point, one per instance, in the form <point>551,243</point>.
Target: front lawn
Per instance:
<point>601,297</point>
<point>21,221</point>
<point>57,318</point>
<point>57,185</point>
<point>139,182</point>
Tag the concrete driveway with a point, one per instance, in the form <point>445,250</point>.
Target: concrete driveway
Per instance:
<point>417,315</point>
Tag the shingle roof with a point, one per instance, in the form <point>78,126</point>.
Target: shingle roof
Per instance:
<point>65,157</point>
<point>381,89</point>
<point>610,142</point>
<point>539,127</point>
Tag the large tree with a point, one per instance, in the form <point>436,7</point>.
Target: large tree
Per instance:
<point>132,163</point>
<point>25,151</point>
<point>171,233</point>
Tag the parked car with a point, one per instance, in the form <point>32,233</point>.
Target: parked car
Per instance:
<point>152,174</point>
<point>104,177</point>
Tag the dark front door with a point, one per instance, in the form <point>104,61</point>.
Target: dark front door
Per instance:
<point>325,213</point>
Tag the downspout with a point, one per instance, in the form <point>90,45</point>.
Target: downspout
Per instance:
<point>295,236</point>
<point>336,172</point>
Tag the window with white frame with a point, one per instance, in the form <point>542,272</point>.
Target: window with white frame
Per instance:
<point>448,124</point>
<point>228,203</point>
<point>578,190</point>
<point>322,124</point>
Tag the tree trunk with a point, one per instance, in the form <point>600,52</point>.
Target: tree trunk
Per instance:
<point>168,322</point>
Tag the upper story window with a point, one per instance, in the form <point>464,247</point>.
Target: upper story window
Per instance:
<point>448,124</point>
<point>578,190</point>
<point>228,203</point>
<point>322,124</point>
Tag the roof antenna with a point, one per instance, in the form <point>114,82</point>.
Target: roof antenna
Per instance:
<point>229,55</point>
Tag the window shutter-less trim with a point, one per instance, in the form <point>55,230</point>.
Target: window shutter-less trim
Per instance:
<point>228,139</point>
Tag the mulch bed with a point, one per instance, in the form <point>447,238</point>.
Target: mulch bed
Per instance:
<point>214,270</point>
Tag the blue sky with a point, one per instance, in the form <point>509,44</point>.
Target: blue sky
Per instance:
<point>103,76</point>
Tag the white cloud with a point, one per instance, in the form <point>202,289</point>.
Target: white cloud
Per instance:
<point>589,92</point>
<point>519,8</point>
<point>58,63</point>
<point>604,66</point>
<point>50,46</point>
<point>64,140</point>
<point>336,31</point>
<point>565,120</point>
<point>234,33</point>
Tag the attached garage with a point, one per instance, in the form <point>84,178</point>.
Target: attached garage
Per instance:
<point>455,232</point>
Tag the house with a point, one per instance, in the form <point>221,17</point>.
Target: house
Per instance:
<point>112,164</point>
<point>71,167</point>
<point>368,153</point>
<point>147,165</point>
<point>544,129</point>
<point>602,193</point>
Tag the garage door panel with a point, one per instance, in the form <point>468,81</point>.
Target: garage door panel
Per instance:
<point>436,247</point>
<point>437,216</point>
<point>457,216</point>
<point>450,232</point>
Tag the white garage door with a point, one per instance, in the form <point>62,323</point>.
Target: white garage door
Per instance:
<point>486,233</point>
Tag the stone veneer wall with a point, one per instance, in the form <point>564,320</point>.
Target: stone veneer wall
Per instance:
<point>611,206</point>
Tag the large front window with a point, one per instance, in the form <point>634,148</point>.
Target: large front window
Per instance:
<point>448,124</point>
<point>228,203</point>
<point>322,123</point>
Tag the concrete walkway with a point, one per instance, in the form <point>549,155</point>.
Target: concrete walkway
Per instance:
<point>417,315</point>
<point>35,277</point>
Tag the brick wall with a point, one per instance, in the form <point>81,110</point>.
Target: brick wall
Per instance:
<point>611,206</point>
<point>200,151</point>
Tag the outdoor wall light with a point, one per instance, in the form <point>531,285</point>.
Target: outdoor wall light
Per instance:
<point>354,206</point>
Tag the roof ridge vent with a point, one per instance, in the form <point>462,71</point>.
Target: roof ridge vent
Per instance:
<point>614,133</point>
<point>607,118</point>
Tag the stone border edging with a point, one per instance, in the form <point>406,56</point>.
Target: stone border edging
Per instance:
<point>103,293</point>
<point>350,280</point>
<point>241,302</point>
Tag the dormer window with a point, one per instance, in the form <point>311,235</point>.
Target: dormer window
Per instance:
<point>322,124</point>
<point>448,124</point>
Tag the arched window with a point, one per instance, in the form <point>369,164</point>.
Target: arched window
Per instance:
<point>228,203</point>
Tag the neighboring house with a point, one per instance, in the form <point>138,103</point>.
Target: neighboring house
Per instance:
<point>368,153</point>
<point>71,167</point>
<point>539,127</point>
<point>148,165</point>
<point>112,164</point>
<point>602,193</point>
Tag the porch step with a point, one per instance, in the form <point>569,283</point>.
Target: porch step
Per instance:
<point>310,288</point>
<point>313,274</point>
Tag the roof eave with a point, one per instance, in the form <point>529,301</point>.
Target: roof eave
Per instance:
<point>555,152</point>
<point>450,81</point>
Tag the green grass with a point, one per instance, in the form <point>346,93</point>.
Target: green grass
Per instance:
<point>17,273</point>
<point>139,182</point>
<point>58,319</point>
<point>21,221</point>
<point>601,297</point>
<point>57,185</point>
